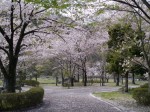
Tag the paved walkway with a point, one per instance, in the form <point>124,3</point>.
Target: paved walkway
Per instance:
<point>58,99</point>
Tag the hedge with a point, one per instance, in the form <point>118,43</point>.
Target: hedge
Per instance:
<point>93,81</point>
<point>31,83</point>
<point>144,85</point>
<point>141,95</point>
<point>15,101</point>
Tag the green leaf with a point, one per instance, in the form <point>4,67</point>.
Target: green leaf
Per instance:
<point>99,12</point>
<point>54,3</point>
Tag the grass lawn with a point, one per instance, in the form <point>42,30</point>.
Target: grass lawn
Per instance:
<point>112,84</point>
<point>122,100</point>
<point>114,95</point>
<point>46,80</point>
<point>50,81</point>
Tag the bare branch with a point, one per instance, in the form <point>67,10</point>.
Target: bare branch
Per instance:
<point>146,3</point>
<point>20,16</point>
<point>126,3</point>
<point>17,49</point>
<point>40,11</point>
<point>134,7</point>
<point>144,12</point>
<point>36,30</point>
<point>4,35</point>
<point>1,48</point>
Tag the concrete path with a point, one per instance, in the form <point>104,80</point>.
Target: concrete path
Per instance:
<point>77,99</point>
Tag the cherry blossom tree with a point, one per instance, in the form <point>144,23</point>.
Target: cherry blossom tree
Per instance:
<point>22,24</point>
<point>76,48</point>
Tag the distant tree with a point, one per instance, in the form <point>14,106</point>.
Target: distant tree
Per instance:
<point>118,33</point>
<point>115,61</point>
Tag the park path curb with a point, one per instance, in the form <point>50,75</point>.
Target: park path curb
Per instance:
<point>113,106</point>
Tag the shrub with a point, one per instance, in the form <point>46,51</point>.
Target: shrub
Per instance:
<point>93,81</point>
<point>31,83</point>
<point>141,96</point>
<point>66,85</point>
<point>144,85</point>
<point>122,89</point>
<point>14,101</point>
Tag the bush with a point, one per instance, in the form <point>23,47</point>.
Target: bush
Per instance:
<point>141,96</point>
<point>93,81</point>
<point>66,85</point>
<point>14,101</point>
<point>122,89</point>
<point>31,83</point>
<point>144,86</point>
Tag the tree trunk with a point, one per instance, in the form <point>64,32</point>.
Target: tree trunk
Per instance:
<point>85,79</point>
<point>126,81</point>
<point>103,81</point>
<point>117,80</point>
<point>149,81</point>
<point>70,72</point>
<point>11,79</point>
<point>62,77</point>
<point>107,79</point>
<point>114,76</point>
<point>100,81</point>
<point>56,81</point>
<point>36,77</point>
<point>72,81</point>
<point>102,76</point>
<point>133,78</point>
<point>122,79</point>
<point>78,75</point>
<point>11,84</point>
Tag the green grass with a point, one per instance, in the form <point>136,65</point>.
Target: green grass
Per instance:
<point>78,84</point>
<point>46,80</point>
<point>112,84</point>
<point>114,95</point>
<point>51,82</point>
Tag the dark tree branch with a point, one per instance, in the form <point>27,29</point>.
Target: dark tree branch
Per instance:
<point>60,37</point>
<point>22,34</point>
<point>126,3</point>
<point>124,10</point>
<point>18,46</point>
<point>135,6</point>
<point>36,30</point>
<point>4,35</point>
<point>40,11</point>
<point>141,9</point>
<point>146,3</point>
<point>38,37</point>
<point>20,14</point>
<point>12,22</point>
<point>1,48</point>
<point>23,45</point>
<point>142,17</point>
